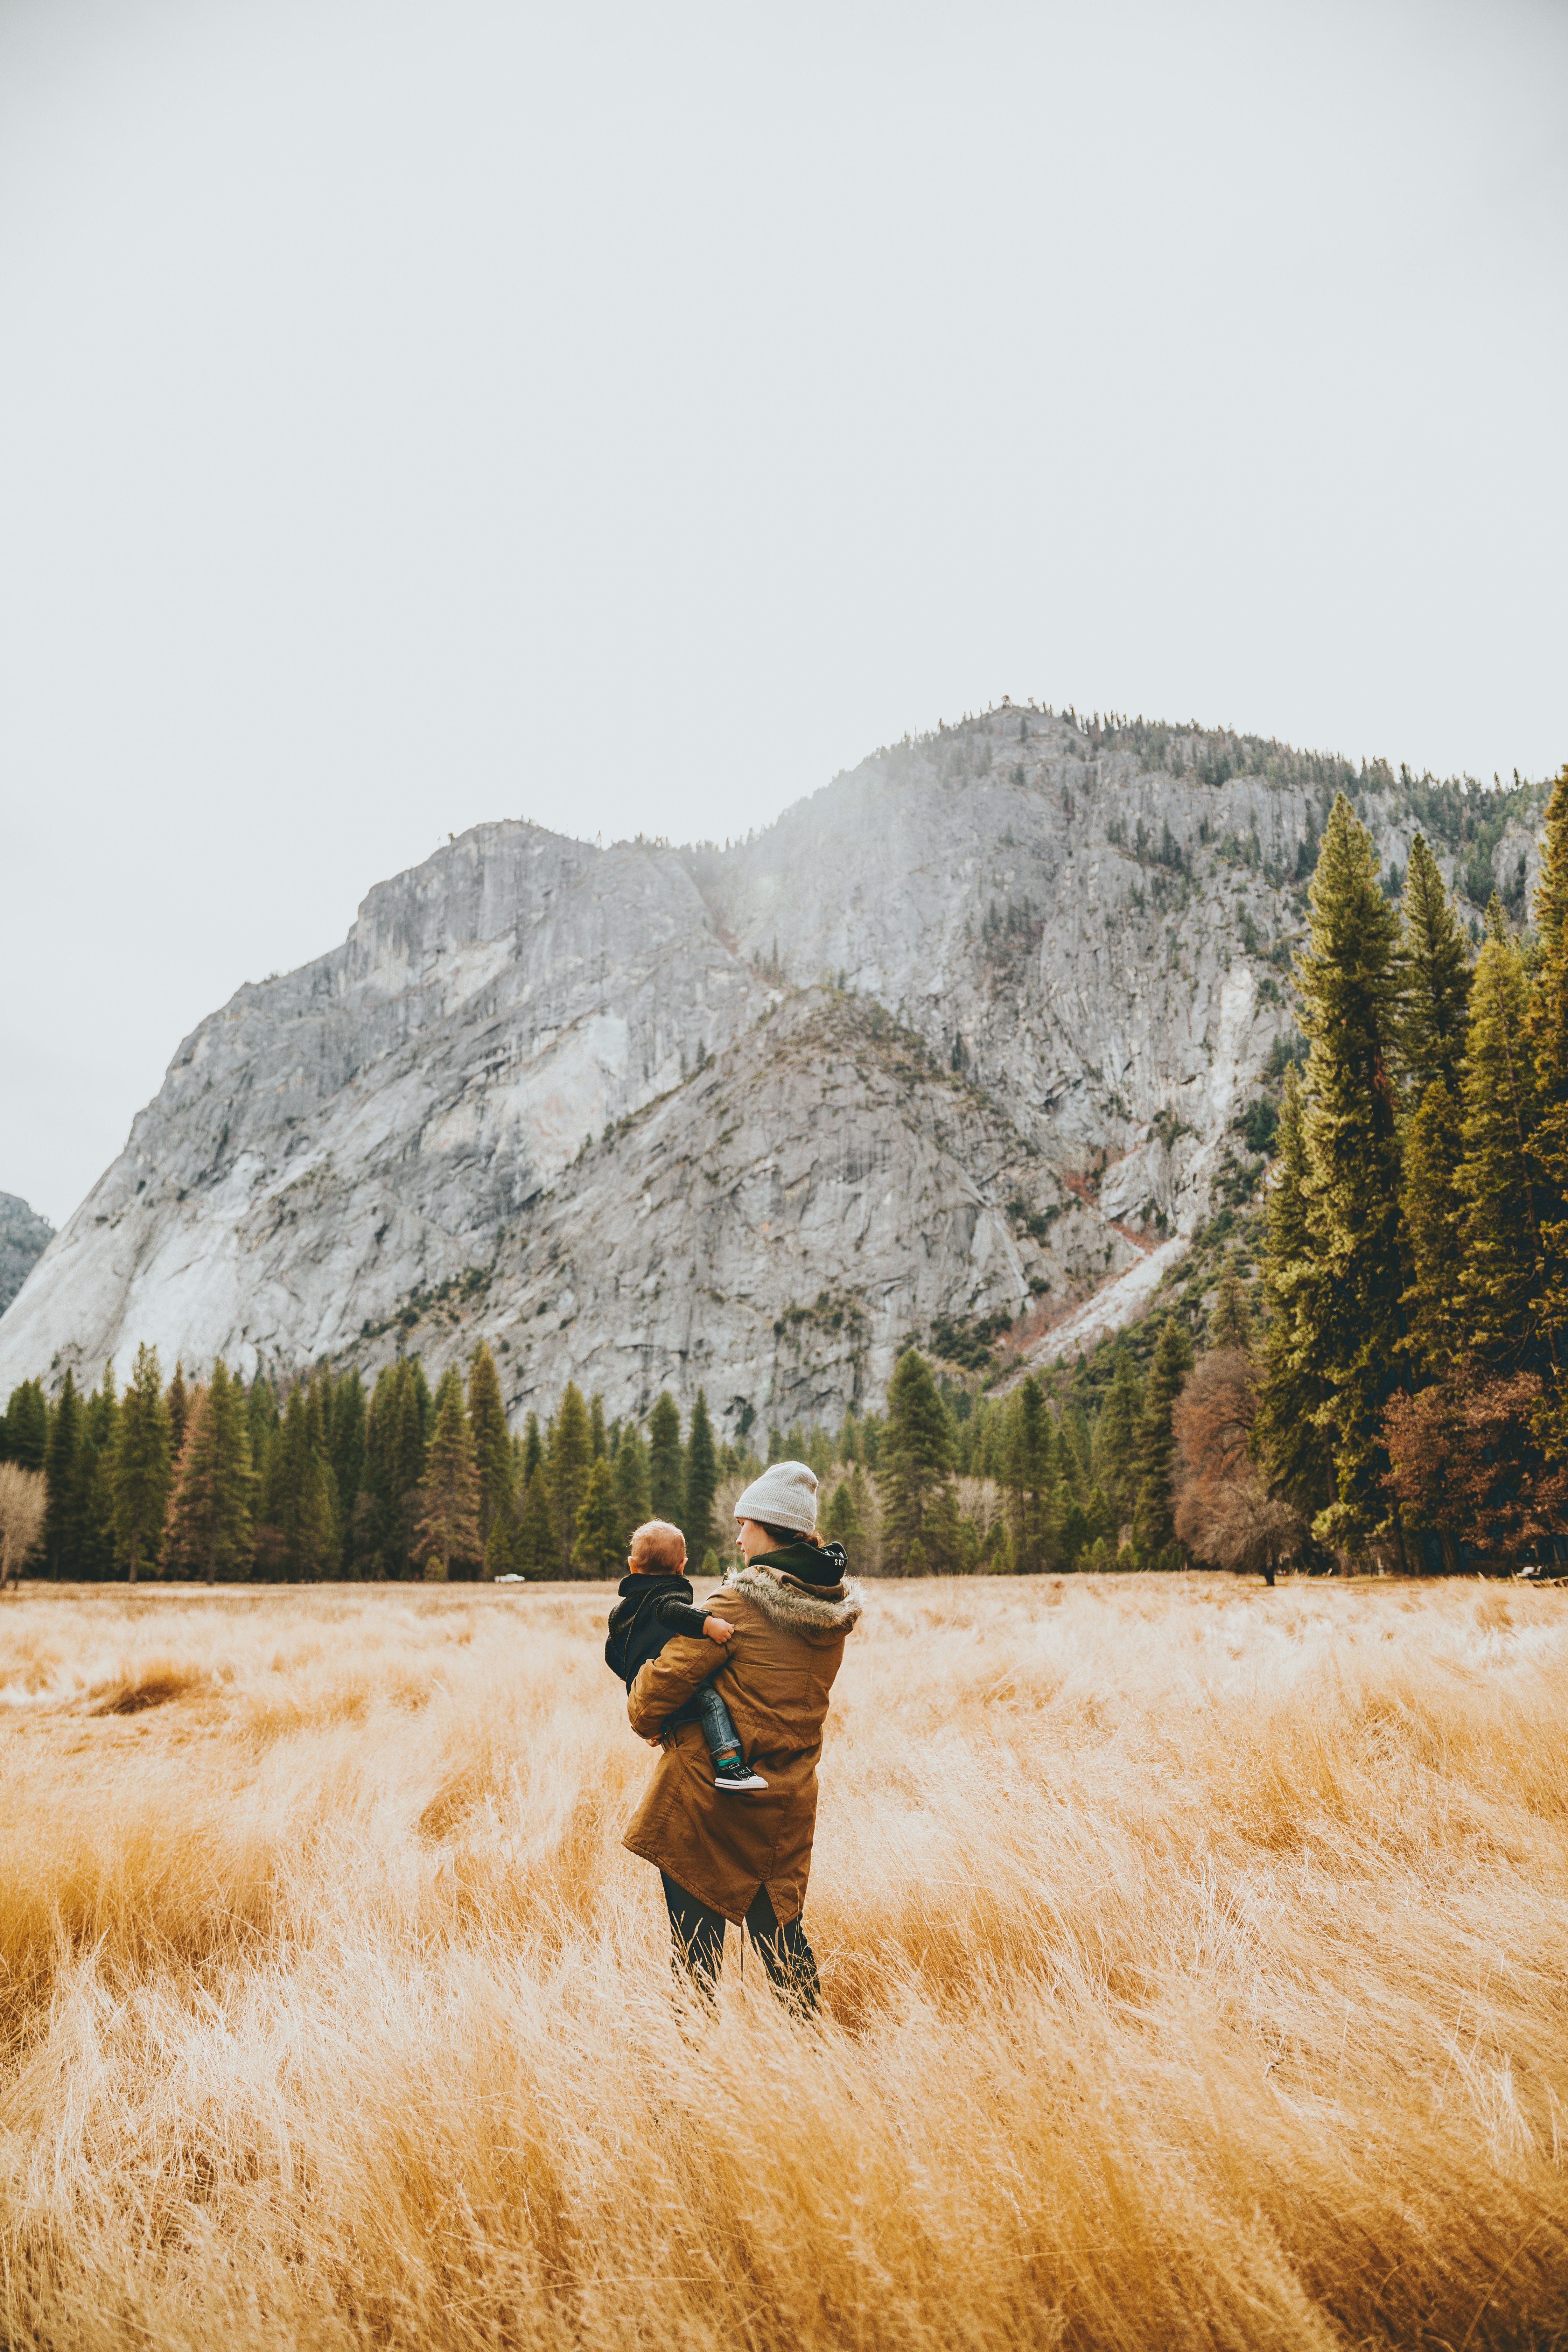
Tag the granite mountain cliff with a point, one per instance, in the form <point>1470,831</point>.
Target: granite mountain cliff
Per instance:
<point>959,1039</point>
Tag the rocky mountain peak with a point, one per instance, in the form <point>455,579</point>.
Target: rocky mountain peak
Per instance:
<point>958,1040</point>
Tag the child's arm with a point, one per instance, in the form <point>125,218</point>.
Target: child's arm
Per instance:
<point>682,1620</point>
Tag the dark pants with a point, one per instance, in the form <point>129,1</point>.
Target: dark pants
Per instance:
<point>699,1938</point>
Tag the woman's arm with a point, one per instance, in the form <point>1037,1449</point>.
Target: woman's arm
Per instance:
<point>668,1681</point>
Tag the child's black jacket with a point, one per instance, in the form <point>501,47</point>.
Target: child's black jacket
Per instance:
<point>649,1613</point>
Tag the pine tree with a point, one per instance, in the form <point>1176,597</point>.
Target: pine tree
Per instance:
<point>261,1418</point>
<point>1502,1270</point>
<point>848,1442</point>
<point>347,1440</point>
<point>1116,1437</point>
<point>405,1451</point>
<point>1349,985</point>
<point>600,1547</point>
<point>1153,1524</point>
<point>297,1536</point>
<point>1434,975</point>
<point>571,1459</point>
<point>532,1451</point>
<point>1029,1475</point>
<point>667,1487</point>
<point>142,1468</point>
<point>701,1480</point>
<point>179,1405</point>
<point>492,1442</point>
<point>843,1520</point>
<point>538,1548</point>
<point>915,1466</point>
<point>60,1528</point>
<point>1291,1431</point>
<point>1433,1210</point>
<point>1547,1042</point>
<point>501,1545</point>
<point>28,1426</point>
<point>597,1426</point>
<point>93,1506</point>
<point>1230,1325</point>
<point>210,1532</point>
<point>631,1480</point>
<point>448,1533</point>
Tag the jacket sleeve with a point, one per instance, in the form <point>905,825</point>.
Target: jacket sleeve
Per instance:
<point>668,1681</point>
<point>679,1618</point>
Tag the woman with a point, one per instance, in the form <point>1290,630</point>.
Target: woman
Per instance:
<point>748,1858</point>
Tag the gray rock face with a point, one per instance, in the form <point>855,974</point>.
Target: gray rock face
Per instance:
<point>24,1237</point>
<point>962,1032</point>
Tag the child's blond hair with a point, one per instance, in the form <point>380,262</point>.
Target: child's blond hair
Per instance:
<point>658,1541</point>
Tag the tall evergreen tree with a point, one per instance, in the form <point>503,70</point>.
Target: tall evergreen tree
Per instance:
<point>1154,1523</point>
<point>143,1470</point>
<point>701,1481</point>
<point>571,1459</point>
<point>298,1538</point>
<point>1433,1210</point>
<point>597,1426</point>
<point>92,1509</point>
<point>28,1426</point>
<point>1547,1041</point>
<point>1029,1475</point>
<point>533,1450</point>
<point>631,1480</point>
<point>210,1532</point>
<point>492,1443</point>
<point>537,1551</point>
<point>61,1529</point>
<point>346,1446</point>
<point>1434,977</point>
<point>667,1483</point>
<point>179,1405</point>
<point>1350,994</point>
<point>448,1533</point>
<point>914,1468</point>
<point>1501,1253</point>
<point>600,1547</point>
<point>1116,1440</point>
<point>1230,1325</point>
<point>1291,1426</point>
<point>261,1418</point>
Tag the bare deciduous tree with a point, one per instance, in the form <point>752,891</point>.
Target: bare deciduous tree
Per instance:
<point>1223,1511</point>
<point>23,1498</point>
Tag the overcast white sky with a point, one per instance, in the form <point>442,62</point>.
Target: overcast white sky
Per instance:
<point>414,412</point>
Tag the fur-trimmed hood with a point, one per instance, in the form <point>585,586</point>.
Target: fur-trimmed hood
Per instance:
<point>834,1608</point>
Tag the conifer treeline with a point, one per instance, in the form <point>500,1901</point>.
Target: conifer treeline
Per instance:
<point>1415,1284</point>
<point>219,1480</point>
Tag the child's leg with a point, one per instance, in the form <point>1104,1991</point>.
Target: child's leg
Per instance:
<point>717,1725</point>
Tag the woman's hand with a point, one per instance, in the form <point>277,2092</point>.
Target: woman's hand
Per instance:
<point>717,1629</point>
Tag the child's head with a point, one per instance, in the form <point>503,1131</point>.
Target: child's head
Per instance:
<point>657,1548</point>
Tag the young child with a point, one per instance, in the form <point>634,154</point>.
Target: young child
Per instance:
<point>654,1606</point>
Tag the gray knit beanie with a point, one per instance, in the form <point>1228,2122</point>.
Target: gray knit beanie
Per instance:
<point>783,1497</point>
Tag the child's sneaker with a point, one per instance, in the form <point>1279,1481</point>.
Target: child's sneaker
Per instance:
<point>737,1775</point>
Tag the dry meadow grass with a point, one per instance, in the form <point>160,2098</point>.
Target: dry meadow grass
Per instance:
<point>1194,1962</point>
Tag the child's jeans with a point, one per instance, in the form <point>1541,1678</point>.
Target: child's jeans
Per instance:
<point>717,1725</point>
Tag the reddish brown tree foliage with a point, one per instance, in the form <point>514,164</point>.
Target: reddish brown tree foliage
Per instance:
<point>1223,1511</point>
<point>1467,1459</point>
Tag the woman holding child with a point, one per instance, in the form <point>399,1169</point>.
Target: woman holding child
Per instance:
<point>731,1838</point>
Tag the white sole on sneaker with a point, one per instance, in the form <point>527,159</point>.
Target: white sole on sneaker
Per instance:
<point>755,1781</point>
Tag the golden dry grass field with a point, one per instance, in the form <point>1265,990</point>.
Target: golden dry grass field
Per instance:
<point>1195,1962</point>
